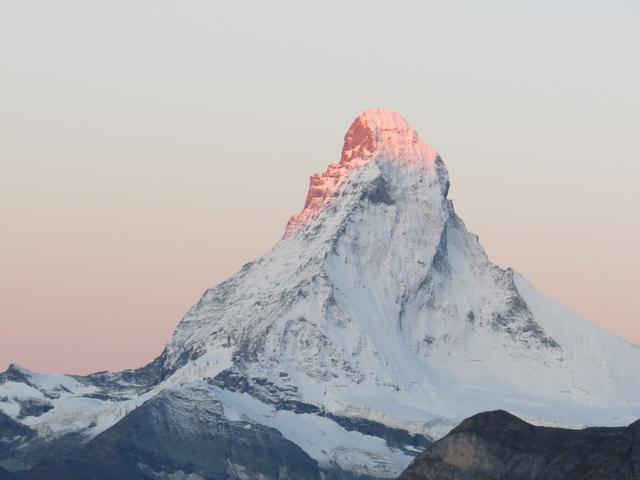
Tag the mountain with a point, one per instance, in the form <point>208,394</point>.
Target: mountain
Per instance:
<point>497,445</point>
<point>373,327</point>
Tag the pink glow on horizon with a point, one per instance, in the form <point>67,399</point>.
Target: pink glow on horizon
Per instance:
<point>139,169</point>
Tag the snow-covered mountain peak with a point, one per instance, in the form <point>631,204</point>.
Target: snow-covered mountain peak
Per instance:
<point>376,322</point>
<point>18,369</point>
<point>378,286</point>
<point>389,135</point>
<point>375,136</point>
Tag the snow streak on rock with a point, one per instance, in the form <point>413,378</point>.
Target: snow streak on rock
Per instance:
<point>374,133</point>
<point>377,322</point>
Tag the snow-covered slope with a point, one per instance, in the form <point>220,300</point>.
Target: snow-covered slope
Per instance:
<point>376,322</point>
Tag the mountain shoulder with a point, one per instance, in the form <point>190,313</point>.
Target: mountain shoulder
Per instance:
<point>498,445</point>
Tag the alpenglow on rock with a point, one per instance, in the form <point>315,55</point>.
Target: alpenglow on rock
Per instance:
<point>373,326</point>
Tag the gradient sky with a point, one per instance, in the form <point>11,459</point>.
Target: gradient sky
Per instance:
<point>150,148</point>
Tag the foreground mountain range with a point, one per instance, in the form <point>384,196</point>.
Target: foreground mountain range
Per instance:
<point>497,445</point>
<point>371,329</point>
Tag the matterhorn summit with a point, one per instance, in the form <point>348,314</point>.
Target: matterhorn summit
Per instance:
<point>374,134</point>
<point>370,329</point>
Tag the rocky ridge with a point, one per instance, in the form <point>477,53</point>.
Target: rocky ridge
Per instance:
<point>373,326</point>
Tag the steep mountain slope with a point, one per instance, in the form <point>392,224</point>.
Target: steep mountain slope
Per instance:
<point>497,445</point>
<point>377,323</point>
<point>175,431</point>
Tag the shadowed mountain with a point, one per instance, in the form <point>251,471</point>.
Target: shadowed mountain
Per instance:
<point>497,445</point>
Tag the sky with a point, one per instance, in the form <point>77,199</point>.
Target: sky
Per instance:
<point>149,149</point>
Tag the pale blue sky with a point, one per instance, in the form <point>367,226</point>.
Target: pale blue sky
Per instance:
<point>150,148</point>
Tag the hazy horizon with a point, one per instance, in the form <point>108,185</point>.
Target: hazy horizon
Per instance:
<point>149,150</point>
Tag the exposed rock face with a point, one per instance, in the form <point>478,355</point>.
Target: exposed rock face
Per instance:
<point>375,133</point>
<point>13,435</point>
<point>497,445</point>
<point>183,433</point>
<point>374,325</point>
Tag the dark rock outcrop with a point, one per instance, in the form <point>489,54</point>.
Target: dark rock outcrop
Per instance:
<point>184,434</point>
<point>498,445</point>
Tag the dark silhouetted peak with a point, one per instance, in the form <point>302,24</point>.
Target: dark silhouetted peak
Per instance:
<point>497,445</point>
<point>493,421</point>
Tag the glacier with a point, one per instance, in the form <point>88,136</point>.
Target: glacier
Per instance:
<point>371,328</point>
